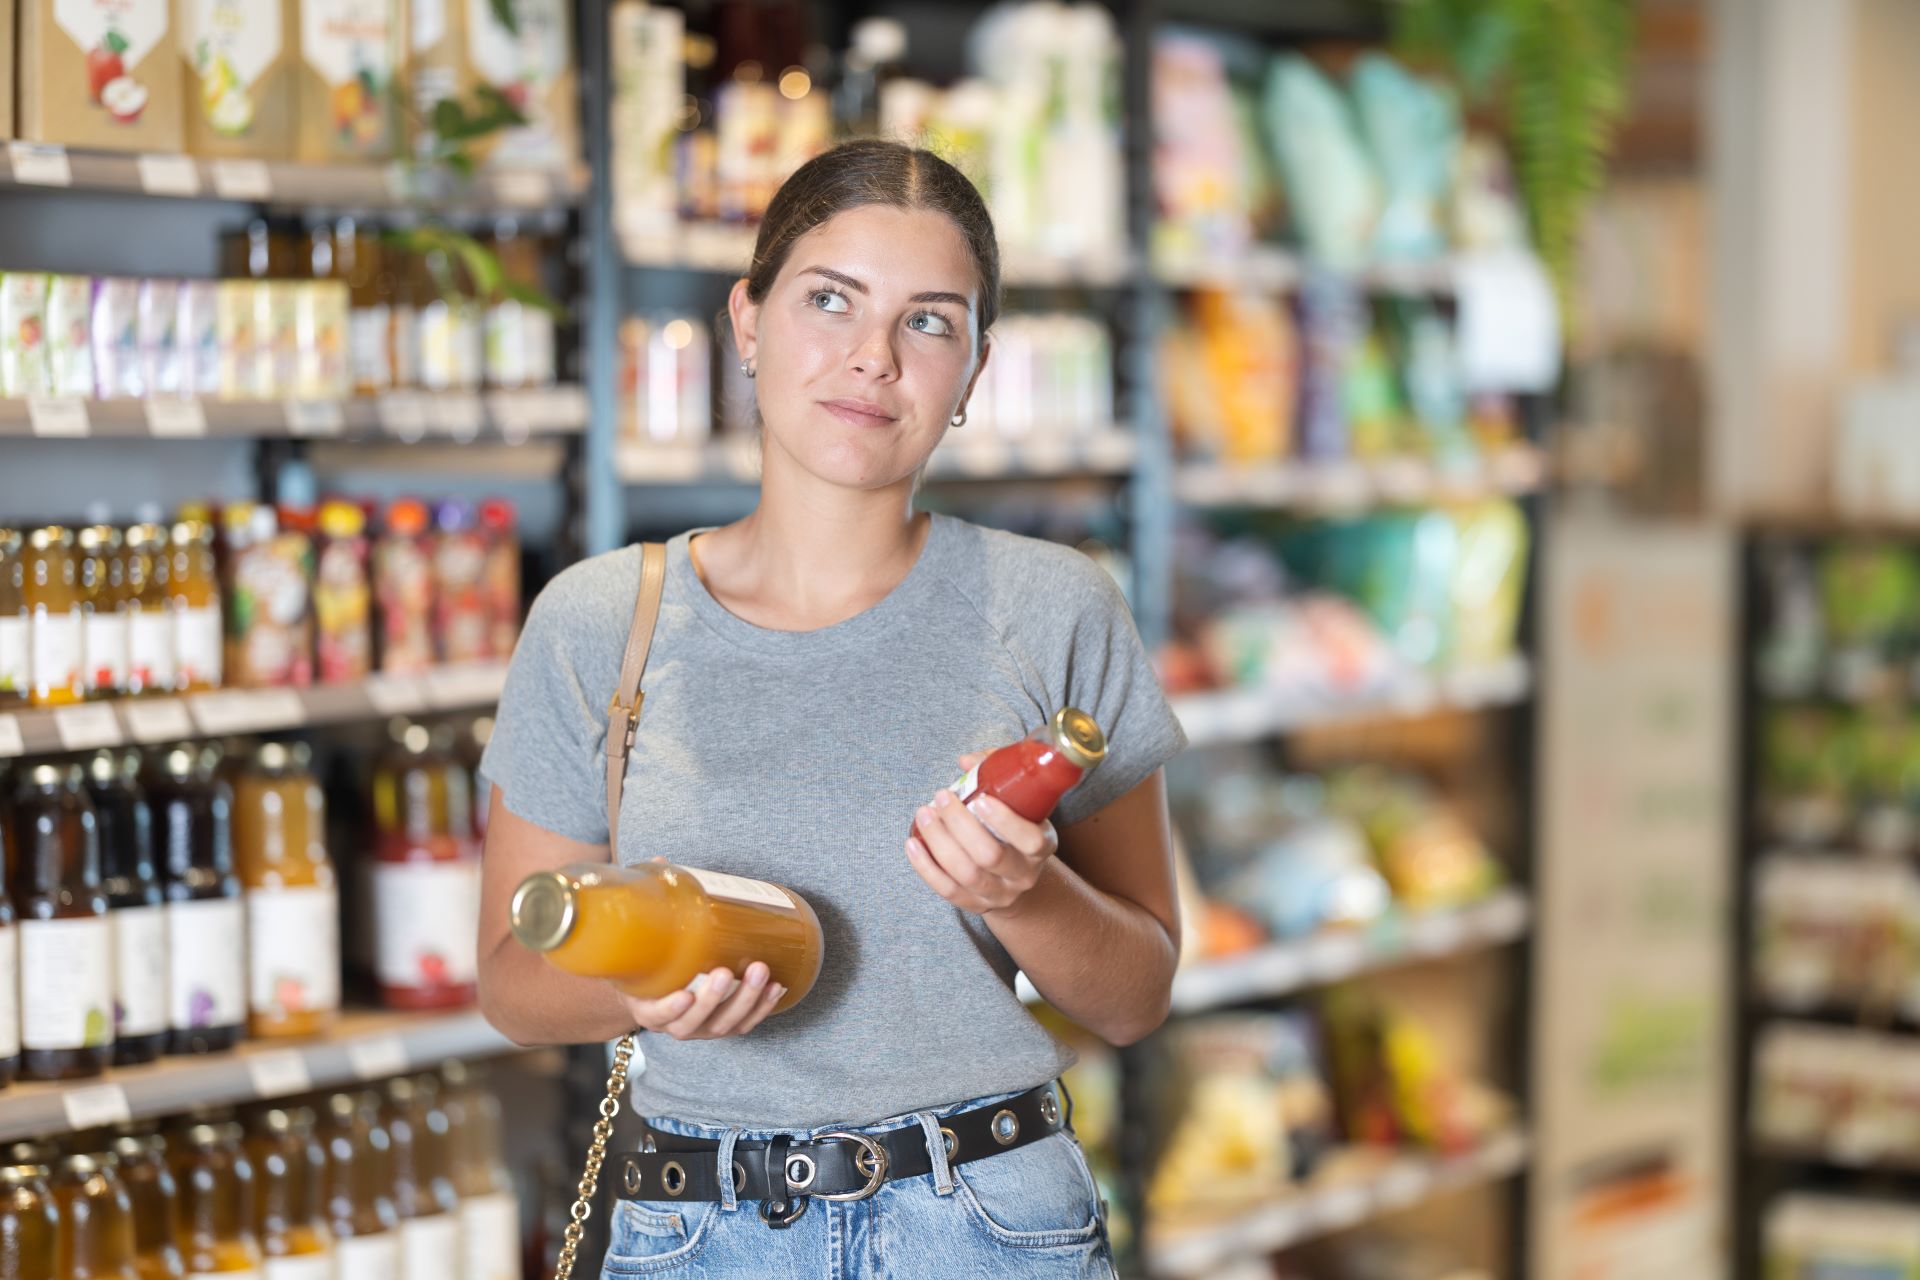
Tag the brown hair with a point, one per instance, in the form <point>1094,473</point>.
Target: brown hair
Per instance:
<point>876,171</point>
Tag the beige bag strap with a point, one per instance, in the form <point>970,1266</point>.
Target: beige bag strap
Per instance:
<point>623,713</point>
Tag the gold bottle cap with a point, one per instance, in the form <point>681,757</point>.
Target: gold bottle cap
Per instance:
<point>543,910</point>
<point>1078,737</point>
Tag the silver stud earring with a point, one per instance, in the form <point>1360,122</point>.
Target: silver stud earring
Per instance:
<point>958,420</point>
<point>746,368</point>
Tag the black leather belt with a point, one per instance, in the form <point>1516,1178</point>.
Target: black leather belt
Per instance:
<point>844,1165</point>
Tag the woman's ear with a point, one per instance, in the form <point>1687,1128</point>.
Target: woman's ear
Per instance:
<point>745,316</point>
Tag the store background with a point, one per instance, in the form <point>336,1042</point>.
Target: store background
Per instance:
<point>1546,653</point>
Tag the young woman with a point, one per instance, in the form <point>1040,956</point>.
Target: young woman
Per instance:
<point>820,669</point>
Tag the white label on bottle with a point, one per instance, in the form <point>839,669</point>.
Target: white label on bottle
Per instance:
<point>86,727</point>
<point>66,983</point>
<point>16,657</point>
<point>964,789</point>
<point>197,645</point>
<point>426,922</point>
<point>106,635</point>
<point>368,1257</point>
<point>250,1273</point>
<point>208,948</point>
<point>9,991</point>
<point>294,959</point>
<point>56,649</point>
<point>490,1237</point>
<point>308,1266</point>
<point>150,649</point>
<point>430,1248</point>
<point>140,970</point>
<point>369,331</point>
<point>740,889</point>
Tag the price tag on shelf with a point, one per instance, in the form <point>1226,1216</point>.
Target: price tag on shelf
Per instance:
<point>59,416</point>
<point>95,1106</point>
<point>378,1057</point>
<point>163,721</point>
<point>316,417</point>
<point>162,175</point>
<point>85,727</point>
<point>662,463</point>
<point>523,187</point>
<point>275,709</point>
<point>228,711</point>
<point>457,415</point>
<point>1406,1182</point>
<point>1110,450</point>
<point>403,414</point>
<point>1047,452</point>
<point>37,164</point>
<point>1340,1208</point>
<point>985,455</point>
<point>395,695</point>
<point>279,1072</point>
<point>242,179</point>
<point>173,416</point>
<point>1438,934</point>
<point>1336,956</point>
<point>11,743</point>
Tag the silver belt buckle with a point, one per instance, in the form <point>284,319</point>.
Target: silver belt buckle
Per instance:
<point>871,1161</point>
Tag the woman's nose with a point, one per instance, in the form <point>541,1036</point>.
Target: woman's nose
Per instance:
<point>873,355</point>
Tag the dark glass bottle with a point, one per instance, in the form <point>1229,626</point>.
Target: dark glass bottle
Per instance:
<point>135,907</point>
<point>66,943</point>
<point>359,1190</point>
<point>29,1223</point>
<point>150,1188</point>
<point>96,1219</point>
<point>9,951</point>
<point>192,808</point>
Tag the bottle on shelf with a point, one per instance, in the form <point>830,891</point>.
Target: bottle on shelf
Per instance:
<point>502,576</point>
<point>193,590</point>
<point>151,645</point>
<point>289,1217</point>
<point>66,943</point>
<point>423,1193</point>
<point>651,929</point>
<point>519,335</point>
<point>143,1167</point>
<point>343,595</point>
<point>51,588</point>
<point>403,589</point>
<point>472,746</point>
<point>9,963</point>
<point>269,595</point>
<point>96,1219</point>
<point>136,908</point>
<point>29,1223</point>
<point>489,1206</point>
<point>214,1183</point>
<point>192,821</point>
<point>425,887</point>
<point>293,903</point>
<point>461,618</point>
<point>103,607</point>
<point>359,1192</point>
<point>359,260</point>
<point>16,668</point>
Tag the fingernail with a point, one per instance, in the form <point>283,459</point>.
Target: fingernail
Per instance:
<point>978,808</point>
<point>926,816</point>
<point>757,975</point>
<point>732,988</point>
<point>779,992</point>
<point>699,981</point>
<point>943,798</point>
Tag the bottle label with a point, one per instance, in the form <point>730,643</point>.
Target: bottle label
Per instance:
<point>66,983</point>
<point>56,650</point>
<point>197,657</point>
<point>490,1237</point>
<point>9,992</point>
<point>307,1266</point>
<point>967,785</point>
<point>140,970</point>
<point>294,962</point>
<point>248,1273</point>
<point>150,649</point>
<point>741,889</point>
<point>209,963</point>
<point>369,335</point>
<point>426,922</point>
<point>368,1257</point>
<point>16,668</point>
<point>106,635</point>
<point>430,1248</point>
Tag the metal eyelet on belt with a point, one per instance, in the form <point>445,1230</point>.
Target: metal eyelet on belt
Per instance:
<point>673,1178</point>
<point>739,1177</point>
<point>630,1177</point>
<point>1050,1108</point>
<point>1006,1127</point>
<point>806,1180</point>
<point>872,1161</point>
<point>951,1141</point>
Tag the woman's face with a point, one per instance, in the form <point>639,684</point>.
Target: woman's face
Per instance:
<point>864,345</point>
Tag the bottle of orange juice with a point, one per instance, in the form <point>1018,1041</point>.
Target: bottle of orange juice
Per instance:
<point>651,929</point>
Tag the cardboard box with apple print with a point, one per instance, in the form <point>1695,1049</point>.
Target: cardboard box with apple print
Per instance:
<point>239,68</point>
<point>99,73</point>
<point>349,59</point>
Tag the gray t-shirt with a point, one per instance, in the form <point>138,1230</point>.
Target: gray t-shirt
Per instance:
<point>800,757</point>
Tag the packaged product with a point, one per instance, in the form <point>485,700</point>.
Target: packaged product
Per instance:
<point>99,73</point>
<point>459,45</point>
<point>23,335</point>
<point>70,335</point>
<point>320,338</point>
<point>157,333</point>
<point>118,369</point>
<point>349,53</point>
<point>237,338</point>
<point>269,599</point>
<point>238,56</point>
<point>203,350</point>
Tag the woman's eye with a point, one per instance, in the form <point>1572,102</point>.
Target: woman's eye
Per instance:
<point>835,302</point>
<point>937,324</point>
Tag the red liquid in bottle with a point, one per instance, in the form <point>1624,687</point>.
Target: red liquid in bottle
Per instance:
<point>1031,775</point>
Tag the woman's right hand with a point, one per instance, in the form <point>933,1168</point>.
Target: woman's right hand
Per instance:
<point>711,1007</point>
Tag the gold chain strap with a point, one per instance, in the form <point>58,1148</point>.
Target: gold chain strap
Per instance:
<point>596,1156</point>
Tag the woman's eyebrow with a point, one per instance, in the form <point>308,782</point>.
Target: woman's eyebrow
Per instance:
<point>931,295</point>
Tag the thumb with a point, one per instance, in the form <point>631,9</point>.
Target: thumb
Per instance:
<point>972,758</point>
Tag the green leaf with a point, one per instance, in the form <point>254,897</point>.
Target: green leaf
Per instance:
<point>505,15</point>
<point>531,296</point>
<point>498,106</point>
<point>449,118</point>
<point>115,42</point>
<point>459,162</point>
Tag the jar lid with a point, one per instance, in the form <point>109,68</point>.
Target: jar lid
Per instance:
<point>141,535</point>
<point>9,541</point>
<point>81,1165</point>
<point>407,517</point>
<point>342,519</point>
<point>277,757</point>
<point>53,535</point>
<point>543,910</point>
<point>13,1176</point>
<point>1077,736</point>
<point>47,775</point>
<point>188,532</point>
<point>96,537</point>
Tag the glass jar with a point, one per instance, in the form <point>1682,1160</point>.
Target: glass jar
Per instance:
<point>425,876</point>
<point>502,576</point>
<point>359,1191</point>
<point>293,902</point>
<point>489,1206</point>
<point>343,595</point>
<point>16,629</point>
<point>66,940</point>
<point>151,1191</point>
<point>29,1224</point>
<point>136,908</point>
<point>9,960</point>
<point>206,946</point>
<point>151,664</point>
<point>423,1194</point>
<point>289,1218</point>
<point>270,594</point>
<point>51,589</point>
<point>460,609</point>
<point>403,590</point>
<point>104,610</point>
<point>193,589</point>
<point>96,1219</point>
<point>215,1188</point>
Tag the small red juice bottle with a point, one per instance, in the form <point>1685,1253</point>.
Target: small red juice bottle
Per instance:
<point>1031,775</point>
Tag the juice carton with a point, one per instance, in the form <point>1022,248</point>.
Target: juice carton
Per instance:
<point>239,57</point>
<point>349,54</point>
<point>98,73</point>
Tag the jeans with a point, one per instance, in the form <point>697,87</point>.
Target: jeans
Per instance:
<point>1033,1211</point>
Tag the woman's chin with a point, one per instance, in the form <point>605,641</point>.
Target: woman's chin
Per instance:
<point>864,465</point>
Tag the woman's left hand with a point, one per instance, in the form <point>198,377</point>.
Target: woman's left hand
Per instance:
<point>980,856</point>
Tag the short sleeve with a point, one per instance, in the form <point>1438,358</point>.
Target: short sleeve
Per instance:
<point>548,734</point>
<point>1110,676</point>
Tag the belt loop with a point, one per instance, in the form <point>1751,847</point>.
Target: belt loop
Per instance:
<point>937,1152</point>
<point>729,1194</point>
<point>1067,1124</point>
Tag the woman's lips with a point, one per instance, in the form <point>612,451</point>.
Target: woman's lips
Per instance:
<point>856,416</point>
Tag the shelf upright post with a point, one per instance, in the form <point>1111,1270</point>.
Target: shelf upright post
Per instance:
<point>603,506</point>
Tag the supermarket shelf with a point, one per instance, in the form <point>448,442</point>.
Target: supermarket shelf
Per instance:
<point>1405,1181</point>
<point>985,456</point>
<point>365,1046</point>
<point>404,416</point>
<point>148,720</point>
<point>1837,1159</point>
<point>1288,967</point>
<point>1273,269</point>
<point>332,186</point>
<point>1251,714</point>
<point>1358,485</point>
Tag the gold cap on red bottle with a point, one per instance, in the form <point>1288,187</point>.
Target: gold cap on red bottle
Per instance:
<point>1077,736</point>
<point>543,910</point>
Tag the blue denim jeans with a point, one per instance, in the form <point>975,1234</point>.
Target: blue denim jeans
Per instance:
<point>1033,1211</point>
